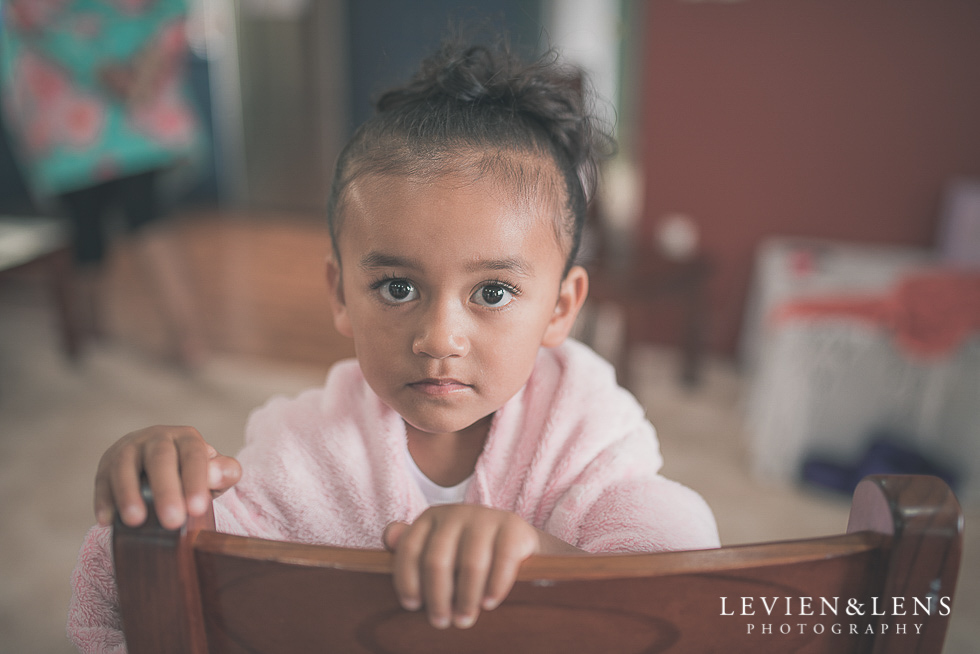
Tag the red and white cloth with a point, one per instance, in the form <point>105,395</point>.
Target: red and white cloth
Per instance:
<point>929,313</point>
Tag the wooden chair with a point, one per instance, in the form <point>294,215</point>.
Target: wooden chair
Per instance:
<point>196,590</point>
<point>641,291</point>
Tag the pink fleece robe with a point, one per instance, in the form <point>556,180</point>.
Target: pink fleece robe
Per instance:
<point>572,453</point>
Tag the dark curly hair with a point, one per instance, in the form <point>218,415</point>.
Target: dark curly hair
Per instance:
<point>473,108</point>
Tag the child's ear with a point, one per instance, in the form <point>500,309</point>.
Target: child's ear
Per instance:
<point>335,287</point>
<point>574,289</point>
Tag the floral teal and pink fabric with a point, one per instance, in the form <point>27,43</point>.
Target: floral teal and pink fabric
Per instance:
<point>93,90</point>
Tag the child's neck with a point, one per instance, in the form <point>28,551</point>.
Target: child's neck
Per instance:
<point>448,459</point>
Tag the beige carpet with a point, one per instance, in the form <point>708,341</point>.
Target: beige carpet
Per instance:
<point>55,421</point>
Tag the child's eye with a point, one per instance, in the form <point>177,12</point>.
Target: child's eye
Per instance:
<point>494,295</point>
<point>398,291</point>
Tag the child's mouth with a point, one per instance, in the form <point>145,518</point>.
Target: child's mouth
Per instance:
<point>439,386</point>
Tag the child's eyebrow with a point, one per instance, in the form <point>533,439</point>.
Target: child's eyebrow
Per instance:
<point>516,265</point>
<point>373,260</point>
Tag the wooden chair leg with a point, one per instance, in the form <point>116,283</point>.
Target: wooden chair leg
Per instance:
<point>60,279</point>
<point>693,347</point>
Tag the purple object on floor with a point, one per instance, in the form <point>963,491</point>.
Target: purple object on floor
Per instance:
<point>885,455</point>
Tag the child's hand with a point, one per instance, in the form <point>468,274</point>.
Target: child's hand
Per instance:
<point>180,467</point>
<point>460,558</point>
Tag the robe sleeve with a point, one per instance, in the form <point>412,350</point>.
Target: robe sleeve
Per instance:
<point>620,503</point>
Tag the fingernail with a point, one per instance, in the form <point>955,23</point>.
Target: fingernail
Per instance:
<point>465,621</point>
<point>171,515</point>
<point>196,505</point>
<point>440,622</point>
<point>490,603</point>
<point>214,476</point>
<point>131,515</point>
<point>411,604</point>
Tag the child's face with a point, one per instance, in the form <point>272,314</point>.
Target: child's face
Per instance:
<point>449,289</point>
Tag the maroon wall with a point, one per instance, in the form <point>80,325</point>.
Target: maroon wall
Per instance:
<point>828,118</point>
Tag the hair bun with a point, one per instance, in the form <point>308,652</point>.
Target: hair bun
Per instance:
<point>546,92</point>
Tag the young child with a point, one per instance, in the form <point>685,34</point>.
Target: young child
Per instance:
<point>469,434</point>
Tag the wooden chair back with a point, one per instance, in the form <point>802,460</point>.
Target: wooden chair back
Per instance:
<point>886,585</point>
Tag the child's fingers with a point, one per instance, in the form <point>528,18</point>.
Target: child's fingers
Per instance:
<point>512,548</point>
<point>408,552</point>
<point>176,463</point>
<point>161,463</point>
<point>223,473</point>
<point>104,504</point>
<point>120,469</point>
<point>472,568</point>
<point>438,572</point>
<point>392,534</point>
<point>193,454</point>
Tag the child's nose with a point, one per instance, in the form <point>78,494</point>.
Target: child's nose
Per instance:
<point>442,332</point>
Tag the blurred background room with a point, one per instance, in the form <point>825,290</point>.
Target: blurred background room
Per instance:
<point>785,253</point>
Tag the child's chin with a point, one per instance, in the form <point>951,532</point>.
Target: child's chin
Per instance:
<point>442,424</point>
